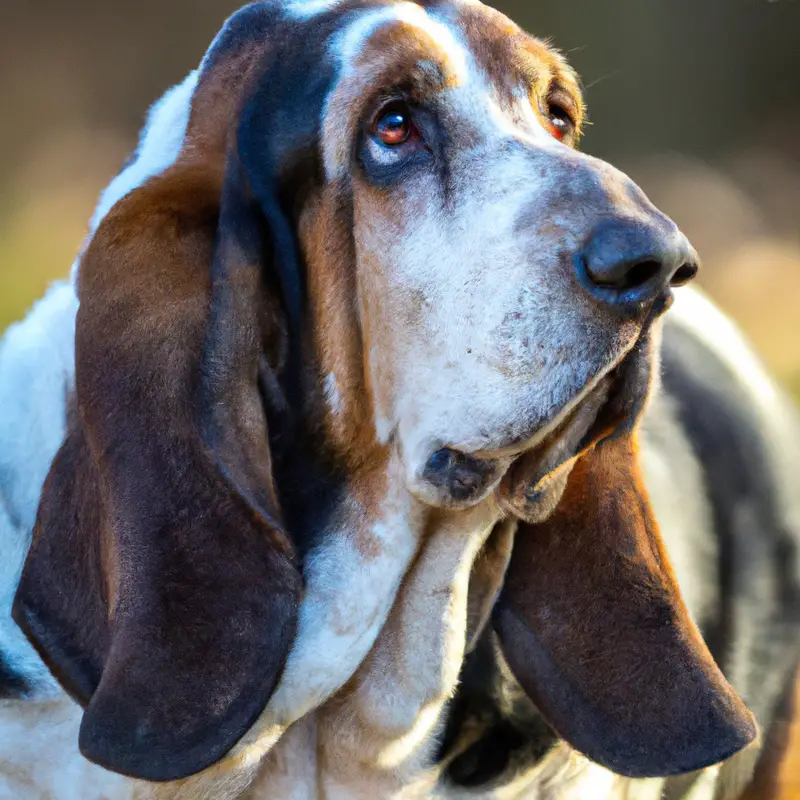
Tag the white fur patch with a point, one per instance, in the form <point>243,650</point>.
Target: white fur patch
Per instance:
<point>353,39</point>
<point>39,755</point>
<point>346,604</point>
<point>36,373</point>
<point>332,394</point>
<point>352,579</point>
<point>695,312</point>
<point>305,9</point>
<point>402,689</point>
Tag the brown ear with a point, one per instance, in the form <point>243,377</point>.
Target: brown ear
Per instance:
<point>160,587</point>
<point>593,627</point>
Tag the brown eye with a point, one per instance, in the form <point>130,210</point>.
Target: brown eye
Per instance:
<point>393,125</point>
<point>560,121</point>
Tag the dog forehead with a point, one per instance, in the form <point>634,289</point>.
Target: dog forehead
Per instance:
<point>461,30</point>
<point>408,19</point>
<point>471,36</point>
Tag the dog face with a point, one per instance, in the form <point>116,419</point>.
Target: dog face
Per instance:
<point>377,245</point>
<point>473,220</point>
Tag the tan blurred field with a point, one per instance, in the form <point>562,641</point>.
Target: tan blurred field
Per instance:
<point>789,779</point>
<point>790,775</point>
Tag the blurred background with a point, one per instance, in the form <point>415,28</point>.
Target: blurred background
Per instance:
<point>697,99</point>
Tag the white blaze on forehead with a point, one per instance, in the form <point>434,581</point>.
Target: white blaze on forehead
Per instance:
<point>350,43</point>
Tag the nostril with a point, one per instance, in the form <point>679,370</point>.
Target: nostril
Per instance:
<point>640,274</point>
<point>685,273</point>
<point>621,276</point>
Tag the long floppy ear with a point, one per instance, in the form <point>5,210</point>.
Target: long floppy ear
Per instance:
<point>160,587</point>
<point>593,627</point>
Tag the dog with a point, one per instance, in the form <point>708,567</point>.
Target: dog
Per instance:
<point>338,440</point>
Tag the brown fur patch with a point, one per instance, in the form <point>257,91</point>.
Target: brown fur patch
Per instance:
<point>338,341</point>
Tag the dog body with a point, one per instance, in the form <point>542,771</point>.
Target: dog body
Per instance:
<point>404,560</point>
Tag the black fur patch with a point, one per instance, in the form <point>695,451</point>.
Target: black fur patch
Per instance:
<point>756,638</point>
<point>513,732</point>
<point>12,684</point>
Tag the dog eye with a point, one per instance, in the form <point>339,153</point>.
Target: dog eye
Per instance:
<point>561,111</point>
<point>393,125</point>
<point>561,123</point>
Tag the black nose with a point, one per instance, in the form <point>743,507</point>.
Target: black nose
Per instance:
<point>626,263</point>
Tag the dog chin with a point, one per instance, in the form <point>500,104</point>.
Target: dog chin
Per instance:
<point>527,478</point>
<point>527,465</point>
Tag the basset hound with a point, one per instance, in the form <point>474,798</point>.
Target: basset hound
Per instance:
<point>328,468</point>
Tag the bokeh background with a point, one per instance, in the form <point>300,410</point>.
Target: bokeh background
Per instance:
<point>697,99</point>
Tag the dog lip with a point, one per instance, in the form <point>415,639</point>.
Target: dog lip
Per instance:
<point>533,486</point>
<point>521,445</point>
<point>535,482</point>
<point>528,475</point>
